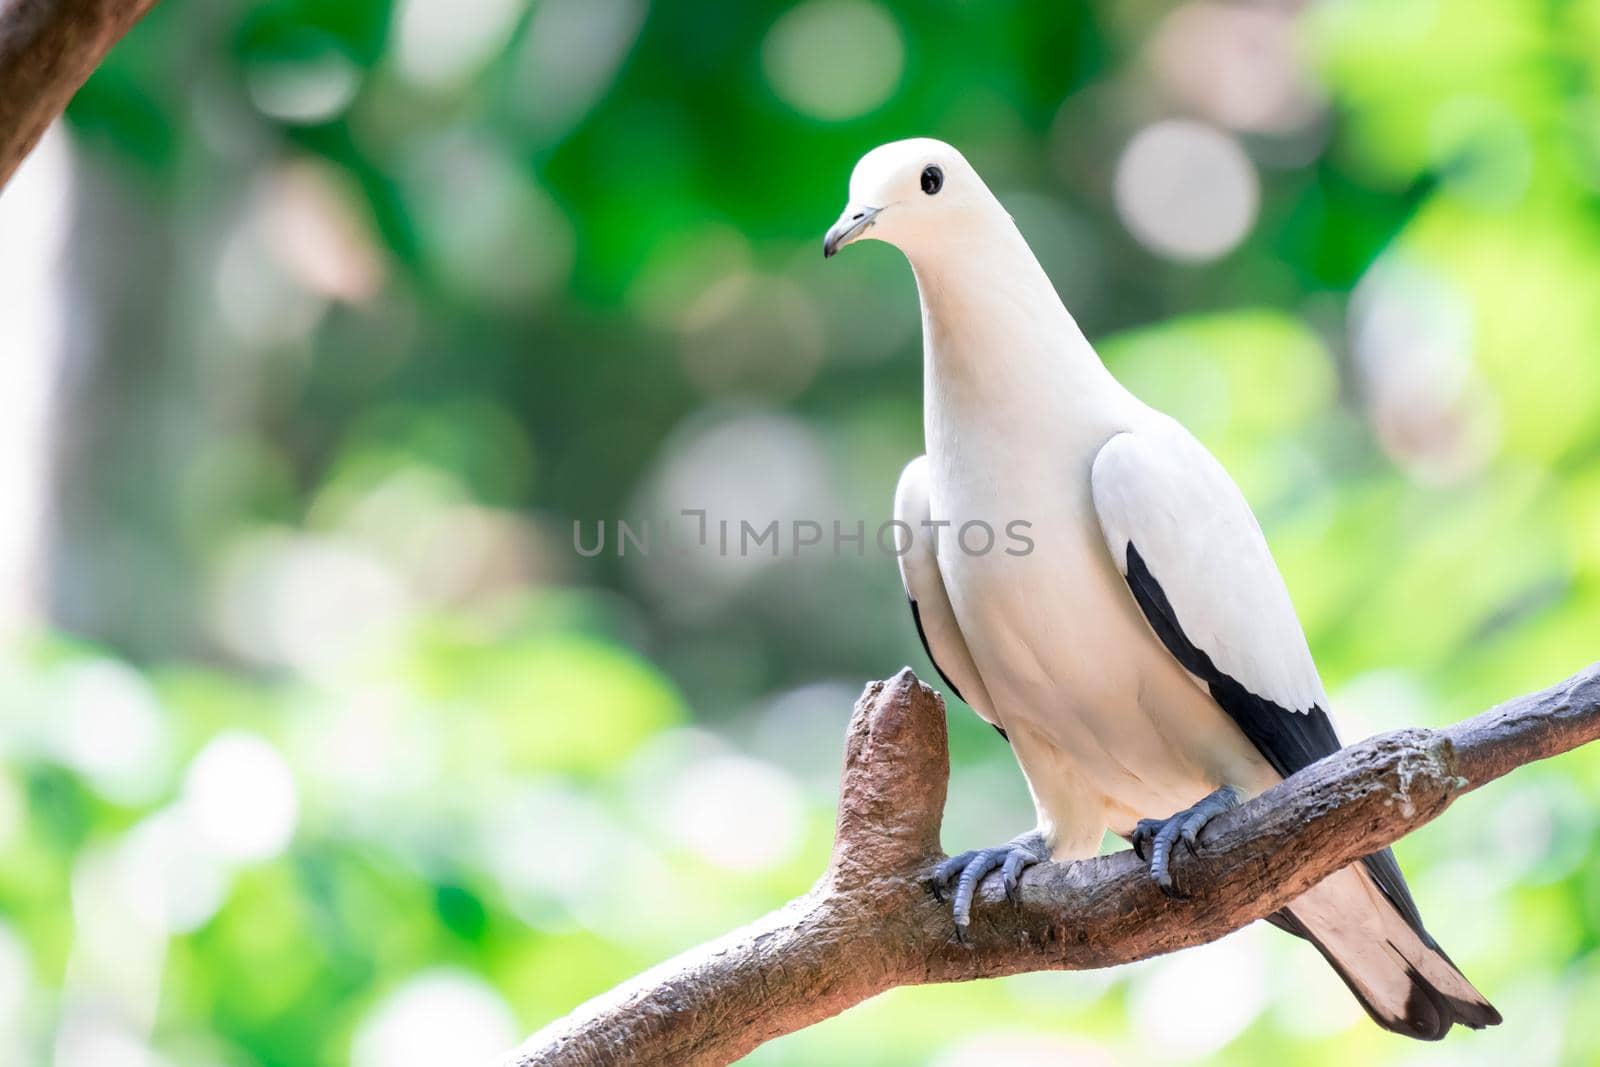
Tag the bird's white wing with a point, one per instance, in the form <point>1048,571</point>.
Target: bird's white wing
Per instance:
<point>930,604</point>
<point>1199,568</point>
<point>1197,563</point>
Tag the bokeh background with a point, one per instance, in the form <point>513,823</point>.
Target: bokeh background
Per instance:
<point>322,324</point>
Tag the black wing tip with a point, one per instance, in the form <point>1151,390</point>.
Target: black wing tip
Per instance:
<point>922,635</point>
<point>1288,740</point>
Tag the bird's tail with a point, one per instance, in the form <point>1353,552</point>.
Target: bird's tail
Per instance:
<point>1398,973</point>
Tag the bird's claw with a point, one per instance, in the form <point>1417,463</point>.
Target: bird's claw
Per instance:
<point>965,871</point>
<point>1153,839</point>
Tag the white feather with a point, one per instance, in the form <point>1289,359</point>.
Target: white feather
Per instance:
<point>1162,491</point>
<point>919,572</point>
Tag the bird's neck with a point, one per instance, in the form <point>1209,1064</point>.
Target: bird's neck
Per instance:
<point>1000,349</point>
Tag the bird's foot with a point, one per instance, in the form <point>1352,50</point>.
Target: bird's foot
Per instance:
<point>967,870</point>
<point>1153,839</point>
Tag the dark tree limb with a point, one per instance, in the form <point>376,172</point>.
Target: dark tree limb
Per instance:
<point>48,49</point>
<point>870,923</point>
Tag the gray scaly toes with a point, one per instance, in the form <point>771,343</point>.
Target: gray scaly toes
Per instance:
<point>965,871</point>
<point>1153,838</point>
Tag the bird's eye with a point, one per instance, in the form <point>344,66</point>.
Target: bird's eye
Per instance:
<point>932,179</point>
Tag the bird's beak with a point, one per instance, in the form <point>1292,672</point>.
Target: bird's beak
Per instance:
<point>851,225</point>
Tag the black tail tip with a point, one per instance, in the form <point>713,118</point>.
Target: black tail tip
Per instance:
<point>1429,1014</point>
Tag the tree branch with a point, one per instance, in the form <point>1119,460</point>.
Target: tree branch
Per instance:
<point>48,49</point>
<point>870,923</point>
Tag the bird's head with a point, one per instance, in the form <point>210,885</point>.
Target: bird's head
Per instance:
<point>908,193</point>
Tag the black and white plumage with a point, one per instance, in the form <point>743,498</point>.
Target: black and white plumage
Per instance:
<point>1144,657</point>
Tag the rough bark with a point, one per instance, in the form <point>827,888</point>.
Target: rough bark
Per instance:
<point>870,922</point>
<point>48,49</point>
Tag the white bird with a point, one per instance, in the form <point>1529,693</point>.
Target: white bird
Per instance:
<point>1143,658</point>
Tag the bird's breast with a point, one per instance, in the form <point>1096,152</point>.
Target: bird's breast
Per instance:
<point>1058,639</point>
<point>1019,547</point>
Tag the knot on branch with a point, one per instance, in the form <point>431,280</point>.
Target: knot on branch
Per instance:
<point>1412,769</point>
<point>896,770</point>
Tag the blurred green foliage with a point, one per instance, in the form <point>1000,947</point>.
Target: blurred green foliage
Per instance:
<point>330,747</point>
